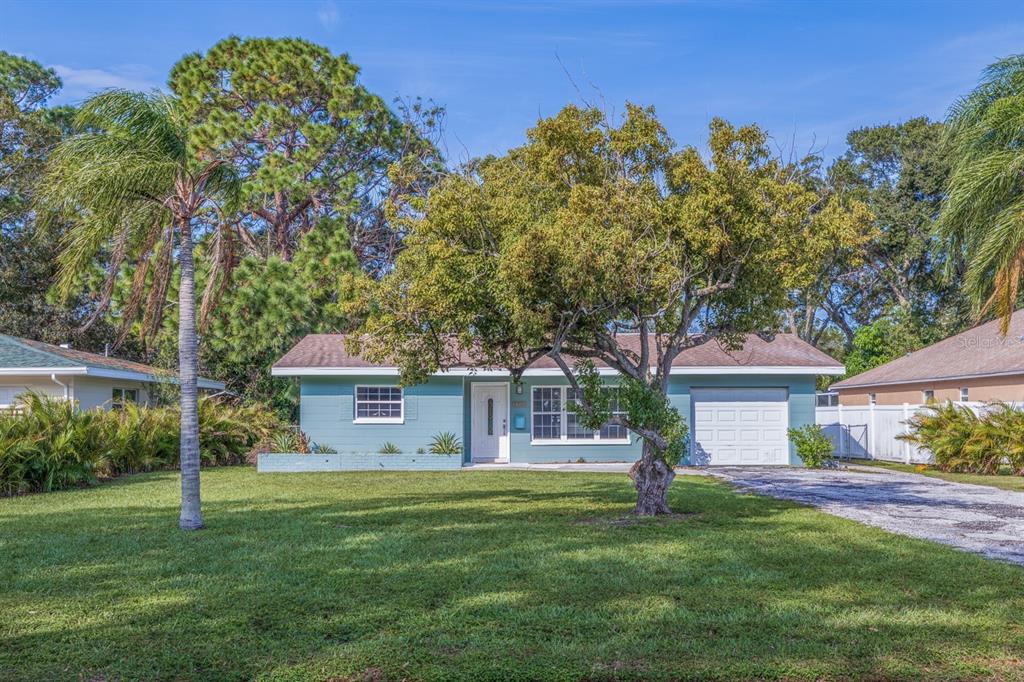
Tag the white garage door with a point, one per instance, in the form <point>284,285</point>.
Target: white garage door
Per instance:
<point>740,426</point>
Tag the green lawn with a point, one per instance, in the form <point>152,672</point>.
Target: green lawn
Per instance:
<point>482,575</point>
<point>1005,481</point>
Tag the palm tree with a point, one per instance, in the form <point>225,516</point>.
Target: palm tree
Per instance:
<point>982,219</point>
<point>132,185</point>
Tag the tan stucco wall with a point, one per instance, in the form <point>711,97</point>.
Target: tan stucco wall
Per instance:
<point>1007,389</point>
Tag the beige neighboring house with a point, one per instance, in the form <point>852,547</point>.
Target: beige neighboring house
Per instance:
<point>976,366</point>
<point>90,379</point>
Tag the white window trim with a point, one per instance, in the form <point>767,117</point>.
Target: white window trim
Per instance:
<point>376,420</point>
<point>965,390</point>
<point>564,439</point>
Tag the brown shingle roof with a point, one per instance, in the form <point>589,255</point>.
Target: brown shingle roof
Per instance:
<point>981,351</point>
<point>784,350</point>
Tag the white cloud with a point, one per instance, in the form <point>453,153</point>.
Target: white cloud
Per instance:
<point>328,15</point>
<point>81,83</point>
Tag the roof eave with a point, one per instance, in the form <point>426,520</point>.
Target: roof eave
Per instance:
<point>842,385</point>
<point>554,371</point>
<point>813,370</point>
<point>41,371</point>
<point>103,373</point>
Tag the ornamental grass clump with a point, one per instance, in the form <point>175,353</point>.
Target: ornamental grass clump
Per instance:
<point>446,443</point>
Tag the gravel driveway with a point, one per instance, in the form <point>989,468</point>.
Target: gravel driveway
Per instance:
<point>976,518</point>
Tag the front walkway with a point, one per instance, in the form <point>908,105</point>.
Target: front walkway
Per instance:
<point>975,518</point>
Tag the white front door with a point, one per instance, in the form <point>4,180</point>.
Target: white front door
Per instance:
<point>489,422</point>
<point>740,426</point>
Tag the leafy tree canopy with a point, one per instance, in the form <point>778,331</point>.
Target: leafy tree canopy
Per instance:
<point>596,226</point>
<point>900,171</point>
<point>877,343</point>
<point>28,131</point>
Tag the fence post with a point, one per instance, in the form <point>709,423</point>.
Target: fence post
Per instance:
<point>872,442</point>
<point>906,428</point>
<point>842,432</point>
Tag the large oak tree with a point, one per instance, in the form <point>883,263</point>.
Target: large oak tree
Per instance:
<point>596,226</point>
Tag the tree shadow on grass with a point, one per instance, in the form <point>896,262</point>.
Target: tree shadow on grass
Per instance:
<point>484,577</point>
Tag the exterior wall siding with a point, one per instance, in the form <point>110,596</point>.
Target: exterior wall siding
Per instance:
<point>15,385</point>
<point>92,392</point>
<point>801,390</point>
<point>89,392</point>
<point>443,404</point>
<point>327,411</point>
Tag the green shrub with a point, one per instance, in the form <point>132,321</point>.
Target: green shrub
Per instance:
<point>321,449</point>
<point>51,444</point>
<point>961,441</point>
<point>446,443</point>
<point>811,443</point>
<point>389,448</point>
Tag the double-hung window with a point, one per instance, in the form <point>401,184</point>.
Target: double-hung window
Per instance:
<point>121,396</point>
<point>379,405</point>
<point>556,423</point>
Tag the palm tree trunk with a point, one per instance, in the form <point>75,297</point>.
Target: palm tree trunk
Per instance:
<point>191,514</point>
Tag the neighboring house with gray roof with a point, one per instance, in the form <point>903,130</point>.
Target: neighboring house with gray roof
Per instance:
<point>90,379</point>
<point>978,365</point>
<point>738,404</point>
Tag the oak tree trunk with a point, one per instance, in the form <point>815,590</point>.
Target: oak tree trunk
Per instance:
<point>191,514</point>
<point>652,477</point>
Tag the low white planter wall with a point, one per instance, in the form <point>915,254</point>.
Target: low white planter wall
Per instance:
<point>275,462</point>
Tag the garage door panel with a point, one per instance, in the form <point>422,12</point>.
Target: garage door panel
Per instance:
<point>749,435</point>
<point>761,415</point>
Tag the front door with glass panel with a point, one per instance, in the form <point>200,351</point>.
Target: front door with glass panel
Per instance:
<point>489,422</point>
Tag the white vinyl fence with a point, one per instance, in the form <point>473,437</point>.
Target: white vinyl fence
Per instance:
<point>870,431</point>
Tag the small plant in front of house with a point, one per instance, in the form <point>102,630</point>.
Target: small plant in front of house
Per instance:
<point>389,448</point>
<point>445,443</point>
<point>813,446</point>
<point>321,449</point>
<point>421,451</point>
<point>291,441</point>
<point>580,460</point>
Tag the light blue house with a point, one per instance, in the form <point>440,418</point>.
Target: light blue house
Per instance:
<point>738,405</point>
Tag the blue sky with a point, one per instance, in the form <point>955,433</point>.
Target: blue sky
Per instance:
<point>807,71</point>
